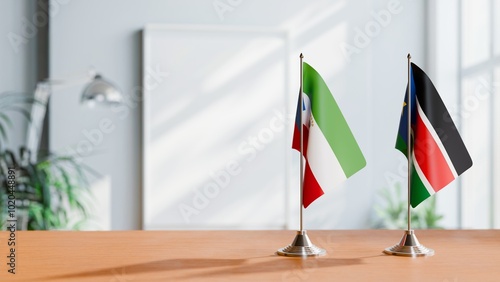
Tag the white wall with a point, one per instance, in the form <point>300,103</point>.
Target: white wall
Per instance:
<point>369,87</point>
<point>17,57</point>
<point>468,89</point>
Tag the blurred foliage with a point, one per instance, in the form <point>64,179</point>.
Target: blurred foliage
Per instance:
<point>393,213</point>
<point>50,193</point>
<point>51,190</point>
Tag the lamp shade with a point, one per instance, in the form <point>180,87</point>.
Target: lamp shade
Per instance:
<point>101,91</point>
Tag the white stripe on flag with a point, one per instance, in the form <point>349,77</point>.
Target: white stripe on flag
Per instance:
<point>322,160</point>
<point>424,180</point>
<point>306,110</point>
<point>434,135</point>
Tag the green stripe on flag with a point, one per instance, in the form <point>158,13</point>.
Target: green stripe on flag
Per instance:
<point>418,192</point>
<point>401,145</point>
<point>332,123</point>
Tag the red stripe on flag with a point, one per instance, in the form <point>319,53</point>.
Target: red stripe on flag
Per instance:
<point>312,190</point>
<point>430,158</point>
<point>296,139</point>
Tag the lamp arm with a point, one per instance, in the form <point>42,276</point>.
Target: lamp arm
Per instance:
<point>58,84</point>
<point>38,110</point>
<point>42,94</point>
<point>97,88</point>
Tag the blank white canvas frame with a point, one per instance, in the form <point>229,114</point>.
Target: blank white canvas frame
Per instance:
<point>211,94</point>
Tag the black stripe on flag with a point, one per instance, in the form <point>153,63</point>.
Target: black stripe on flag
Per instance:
<point>433,107</point>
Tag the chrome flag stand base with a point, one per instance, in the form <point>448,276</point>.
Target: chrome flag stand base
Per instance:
<point>409,247</point>
<point>301,247</point>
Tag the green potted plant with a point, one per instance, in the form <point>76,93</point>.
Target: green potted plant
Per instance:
<point>49,193</point>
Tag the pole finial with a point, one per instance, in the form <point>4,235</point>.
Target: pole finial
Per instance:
<point>409,56</point>
<point>301,56</point>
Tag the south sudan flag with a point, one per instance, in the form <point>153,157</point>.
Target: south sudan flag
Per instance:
<point>438,154</point>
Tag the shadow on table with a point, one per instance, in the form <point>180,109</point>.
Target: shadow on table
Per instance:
<point>222,267</point>
<point>289,267</point>
<point>154,266</point>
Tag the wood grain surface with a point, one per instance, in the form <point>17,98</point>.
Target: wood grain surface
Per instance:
<point>461,255</point>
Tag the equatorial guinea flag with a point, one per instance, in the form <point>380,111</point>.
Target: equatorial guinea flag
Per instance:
<point>438,154</point>
<point>331,153</point>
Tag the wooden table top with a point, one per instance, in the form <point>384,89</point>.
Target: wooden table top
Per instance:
<point>353,255</point>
